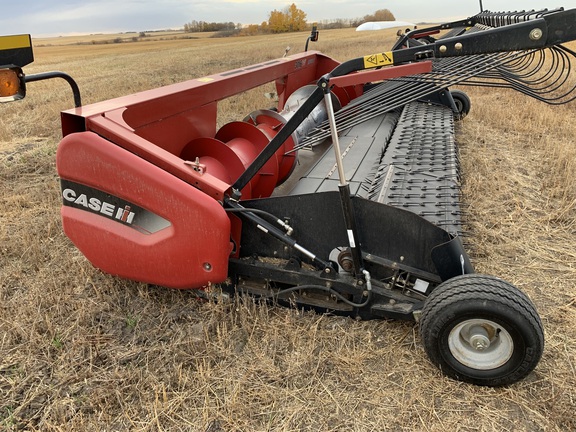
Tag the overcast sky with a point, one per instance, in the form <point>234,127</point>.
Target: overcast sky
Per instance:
<point>63,17</point>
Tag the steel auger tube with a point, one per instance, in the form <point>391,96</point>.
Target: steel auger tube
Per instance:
<point>284,133</point>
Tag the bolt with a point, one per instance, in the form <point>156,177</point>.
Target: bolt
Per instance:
<point>347,264</point>
<point>326,270</point>
<point>458,46</point>
<point>443,49</point>
<point>207,266</point>
<point>536,34</point>
<point>480,342</point>
<point>480,345</point>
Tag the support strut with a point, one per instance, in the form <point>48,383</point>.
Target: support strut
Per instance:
<point>343,186</point>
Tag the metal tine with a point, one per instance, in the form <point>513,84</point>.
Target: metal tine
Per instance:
<point>552,87</point>
<point>514,69</point>
<point>382,100</point>
<point>448,72</point>
<point>531,67</point>
<point>371,107</point>
<point>551,82</point>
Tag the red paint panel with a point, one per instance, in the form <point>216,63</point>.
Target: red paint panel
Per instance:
<point>157,156</point>
<point>173,133</point>
<point>149,106</point>
<point>190,253</point>
<point>382,74</point>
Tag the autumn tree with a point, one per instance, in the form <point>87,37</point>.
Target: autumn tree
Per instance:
<point>287,20</point>
<point>251,30</point>
<point>380,15</point>
<point>278,22</point>
<point>296,18</point>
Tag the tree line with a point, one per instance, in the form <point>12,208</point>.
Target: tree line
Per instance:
<point>203,26</point>
<point>290,19</point>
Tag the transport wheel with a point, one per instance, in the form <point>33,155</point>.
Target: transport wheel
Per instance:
<point>482,330</point>
<point>462,102</point>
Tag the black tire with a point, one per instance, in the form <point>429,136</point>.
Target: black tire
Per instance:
<point>482,330</point>
<point>462,102</point>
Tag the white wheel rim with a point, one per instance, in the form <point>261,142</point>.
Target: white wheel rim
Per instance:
<point>480,344</point>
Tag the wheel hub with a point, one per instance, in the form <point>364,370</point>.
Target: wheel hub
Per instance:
<point>479,339</point>
<point>480,344</point>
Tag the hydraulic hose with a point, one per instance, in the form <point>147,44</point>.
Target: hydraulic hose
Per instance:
<point>325,289</point>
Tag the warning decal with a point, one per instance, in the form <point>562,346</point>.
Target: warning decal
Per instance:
<point>376,60</point>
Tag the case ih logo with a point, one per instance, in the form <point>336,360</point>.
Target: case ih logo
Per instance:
<point>98,202</point>
<point>98,206</point>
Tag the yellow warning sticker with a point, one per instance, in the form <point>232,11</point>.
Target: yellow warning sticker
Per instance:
<point>14,42</point>
<point>376,60</point>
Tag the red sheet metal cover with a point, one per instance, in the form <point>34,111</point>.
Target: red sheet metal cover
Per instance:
<point>135,220</point>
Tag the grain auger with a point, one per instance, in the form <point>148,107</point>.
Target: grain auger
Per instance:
<point>367,224</point>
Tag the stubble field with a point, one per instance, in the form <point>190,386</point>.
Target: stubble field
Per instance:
<point>82,350</point>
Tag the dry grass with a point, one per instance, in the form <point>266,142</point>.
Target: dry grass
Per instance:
<point>81,350</point>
